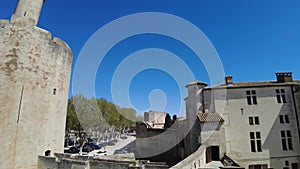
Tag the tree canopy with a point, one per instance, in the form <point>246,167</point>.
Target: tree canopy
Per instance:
<point>97,115</point>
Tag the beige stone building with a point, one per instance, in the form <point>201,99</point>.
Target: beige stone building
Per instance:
<point>155,119</point>
<point>251,125</point>
<point>260,122</point>
<point>34,72</point>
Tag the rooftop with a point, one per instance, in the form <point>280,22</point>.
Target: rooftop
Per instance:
<point>255,84</point>
<point>196,82</point>
<point>209,117</point>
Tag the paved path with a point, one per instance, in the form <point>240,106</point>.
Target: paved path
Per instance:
<point>127,144</point>
<point>119,145</point>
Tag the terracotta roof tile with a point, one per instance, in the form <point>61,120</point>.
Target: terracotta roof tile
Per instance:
<point>209,117</point>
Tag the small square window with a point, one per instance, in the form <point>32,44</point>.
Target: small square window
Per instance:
<point>282,134</point>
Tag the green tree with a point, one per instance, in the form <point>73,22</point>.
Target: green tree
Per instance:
<point>168,121</point>
<point>174,118</point>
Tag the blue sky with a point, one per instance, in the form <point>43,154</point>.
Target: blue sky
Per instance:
<point>253,38</point>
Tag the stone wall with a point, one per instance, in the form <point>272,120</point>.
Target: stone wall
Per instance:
<point>62,161</point>
<point>194,161</point>
<point>35,73</point>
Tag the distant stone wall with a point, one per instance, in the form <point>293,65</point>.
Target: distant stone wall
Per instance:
<point>160,145</point>
<point>155,117</point>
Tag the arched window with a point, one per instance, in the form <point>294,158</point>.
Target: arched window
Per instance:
<point>47,152</point>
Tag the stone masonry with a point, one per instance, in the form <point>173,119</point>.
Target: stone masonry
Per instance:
<point>35,74</point>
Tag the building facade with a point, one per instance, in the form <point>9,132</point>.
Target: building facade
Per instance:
<point>261,121</point>
<point>34,72</point>
<point>252,125</point>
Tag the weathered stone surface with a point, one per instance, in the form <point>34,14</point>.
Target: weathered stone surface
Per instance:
<point>34,73</point>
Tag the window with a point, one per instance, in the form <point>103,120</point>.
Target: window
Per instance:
<point>251,122</point>
<point>287,163</point>
<point>294,166</point>
<point>280,95</point>
<point>286,140</point>
<point>258,166</point>
<point>254,120</point>
<point>284,119</point>
<point>255,142</point>
<point>251,97</point>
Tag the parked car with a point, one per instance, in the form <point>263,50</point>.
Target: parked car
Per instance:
<point>88,147</point>
<point>101,153</point>
<point>72,150</point>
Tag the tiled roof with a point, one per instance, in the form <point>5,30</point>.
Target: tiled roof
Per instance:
<point>255,84</point>
<point>196,82</point>
<point>209,117</point>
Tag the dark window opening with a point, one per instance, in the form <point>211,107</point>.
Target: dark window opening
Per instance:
<point>281,120</point>
<point>255,142</point>
<point>287,120</point>
<point>25,13</point>
<point>287,163</point>
<point>252,142</point>
<point>294,166</point>
<point>47,152</point>
<point>54,91</point>
<point>258,142</point>
<point>251,121</point>
<point>256,120</point>
<point>286,140</point>
<point>249,100</point>
<point>212,154</point>
<point>258,166</point>
<point>251,97</point>
<point>254,99</point>
<point>283,98</point>
<point>280,96</point>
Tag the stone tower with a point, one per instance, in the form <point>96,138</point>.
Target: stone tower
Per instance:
<point>34,73</point>
<point>193,106</point>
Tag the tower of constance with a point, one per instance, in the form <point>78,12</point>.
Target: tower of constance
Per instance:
<point>34,74</point>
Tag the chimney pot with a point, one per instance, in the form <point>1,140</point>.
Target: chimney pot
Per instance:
<point>228,80</point>
<point>283,77</point>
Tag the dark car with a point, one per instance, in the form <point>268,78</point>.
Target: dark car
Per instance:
<point>72,150</point>
<point>88,147</point>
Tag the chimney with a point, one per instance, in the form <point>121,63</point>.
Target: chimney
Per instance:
<point>283,77</point>
<point>228,80</point>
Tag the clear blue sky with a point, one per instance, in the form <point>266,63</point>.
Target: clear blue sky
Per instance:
<point>254,39</point>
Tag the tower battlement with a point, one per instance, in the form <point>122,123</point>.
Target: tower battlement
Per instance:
<point>28,10</point>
